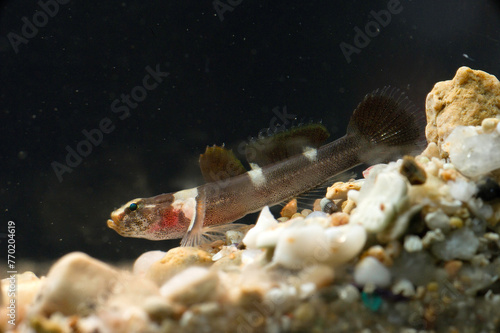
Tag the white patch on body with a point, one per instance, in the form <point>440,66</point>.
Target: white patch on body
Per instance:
<point>257,177</point>
<point>185,200</point>
<point>310,153</point>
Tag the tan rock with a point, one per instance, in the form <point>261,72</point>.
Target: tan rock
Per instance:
<point>339,190</point>
<point>229,261</point>
<point>176,260</point>
<point>289,209</point>
<point>74,285</point>
<point>320,275</point>
<point>193,285</point>
<point>470,97</point>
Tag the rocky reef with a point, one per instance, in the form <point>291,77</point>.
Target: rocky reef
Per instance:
<point>413,246</point>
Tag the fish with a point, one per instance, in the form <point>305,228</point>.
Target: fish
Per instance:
<point>384,125</point>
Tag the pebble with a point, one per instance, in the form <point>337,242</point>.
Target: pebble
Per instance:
<point>264,222</point>
<point>319,275</point>
<point>459,244</point>
<point>432,236</point>
<point>377,206</point>
<point>299,247</point>
<point>349,293</point>
<point>74,285</point>
<point>488,189</point>
<point>192,285</point>
<point>306,212</point>
<point>145,260</point>
<point>437,220</point>
<point>413,243</point>
<point>371,271</point>
<point>158,309</point>
<point>345,242</point>
<point>412,171</point>
<point>456,222</point>
<point>452,267</point>
<point>379,253</point>
<point>289,209</point>
<point>403,287</point>
<point>488,125</point>
<point>339,190</point>
<point>234,236</point>
<point>339,218</point>
<point>328,206</point>
<point>176,260</point>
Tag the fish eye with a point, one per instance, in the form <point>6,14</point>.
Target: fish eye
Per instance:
<point>133,206</point>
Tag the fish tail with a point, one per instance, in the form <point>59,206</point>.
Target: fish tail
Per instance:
<point>389,121</point>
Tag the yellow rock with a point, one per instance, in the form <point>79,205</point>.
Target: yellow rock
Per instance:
<point>339,190</point>
<point>289,209</point>
<point>175,261</point>
<point>470,97</point>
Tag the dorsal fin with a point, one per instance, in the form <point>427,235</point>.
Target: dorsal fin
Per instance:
<point>218,163</point>
<point>282,145</point>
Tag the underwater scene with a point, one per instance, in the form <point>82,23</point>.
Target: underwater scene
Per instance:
<point>237,166</point>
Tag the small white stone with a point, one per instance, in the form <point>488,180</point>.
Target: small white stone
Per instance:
<point>250,256</point>
<point>462,190</point>
<point>378,205</point>
<point>301,247</point>
<point>266,221</point>
<point>371,271</point>
<point>349,293</point>
<point>403,287</point>
<point>346,241</point>
<point>432,236</point>
<point>413,243</point>
<point>438,220</point>
<point>225,251</point>
<point>491,236</point>
<point>306,290</point>
<point>460,244</point>
<point>145,260</point>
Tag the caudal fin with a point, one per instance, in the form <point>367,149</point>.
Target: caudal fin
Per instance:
<point>389,121</point>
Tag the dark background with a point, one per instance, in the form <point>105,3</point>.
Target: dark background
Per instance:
<point>226,76</point>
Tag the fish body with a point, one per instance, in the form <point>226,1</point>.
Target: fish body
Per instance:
<point>385,123</point>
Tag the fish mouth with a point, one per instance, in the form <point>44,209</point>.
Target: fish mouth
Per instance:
<point>112,224</point>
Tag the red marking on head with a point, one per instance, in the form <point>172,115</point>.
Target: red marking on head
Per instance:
<point>169,219</point>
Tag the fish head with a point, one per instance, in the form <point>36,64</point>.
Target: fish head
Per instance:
<point>157,218</point>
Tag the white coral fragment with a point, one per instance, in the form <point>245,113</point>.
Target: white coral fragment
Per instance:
<point>379,204</point>
<point>266,221</point>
